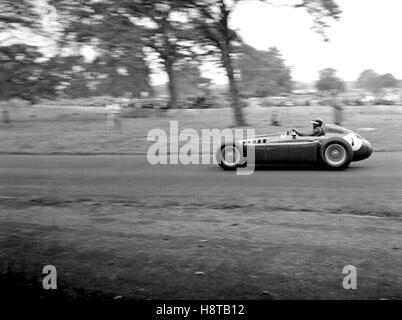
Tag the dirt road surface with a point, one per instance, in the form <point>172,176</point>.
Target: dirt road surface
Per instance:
<point>121,227</point>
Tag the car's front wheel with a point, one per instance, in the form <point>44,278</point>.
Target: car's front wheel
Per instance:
<point>230,156</point>
<point>336,154</point>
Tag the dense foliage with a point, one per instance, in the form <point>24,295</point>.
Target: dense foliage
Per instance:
<point>131,38</point>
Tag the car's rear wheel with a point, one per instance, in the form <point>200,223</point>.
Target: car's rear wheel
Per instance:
<point>336,154</point>
<point>230,156</point>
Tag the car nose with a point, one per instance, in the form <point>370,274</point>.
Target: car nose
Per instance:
<point>364,152</point>
<point>369,147</point>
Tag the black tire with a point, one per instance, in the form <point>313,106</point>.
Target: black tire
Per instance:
<point>336,154</point>
<point>239,158</point>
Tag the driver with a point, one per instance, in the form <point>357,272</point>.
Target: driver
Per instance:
<point>318,129</point>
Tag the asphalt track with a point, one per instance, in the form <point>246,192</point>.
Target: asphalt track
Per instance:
<point>311,221</point>
<point>132,175</point>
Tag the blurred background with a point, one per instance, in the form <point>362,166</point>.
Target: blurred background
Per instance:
<point>73,72</point>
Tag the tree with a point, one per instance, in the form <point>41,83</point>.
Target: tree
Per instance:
<point>328,81</point>
<point>212,17</point>
<point>126,28</point>
<point>263,72</point>
<point>119,66</point>
<point>368,80</point>
<point>170,38</point>
<point>20,65</point>
<point>189,79</point>
<point>15,58</point>
<point>387,81</point>
<point>17,14</point>
<point>372,81</point>
<point>23,74</point>
<point>212,21</point>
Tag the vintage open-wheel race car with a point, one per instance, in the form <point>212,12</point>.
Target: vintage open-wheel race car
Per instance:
<point>336,149</point>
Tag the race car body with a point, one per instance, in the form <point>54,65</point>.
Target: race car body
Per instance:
<point>335,149</point>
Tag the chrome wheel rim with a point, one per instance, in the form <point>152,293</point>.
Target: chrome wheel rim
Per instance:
<point>230,156</point>
<point>335,155</point>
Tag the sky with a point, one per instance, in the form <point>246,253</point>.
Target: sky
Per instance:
<point>368,35</point>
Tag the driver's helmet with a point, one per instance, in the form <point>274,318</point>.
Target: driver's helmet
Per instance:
<point>317,122</point>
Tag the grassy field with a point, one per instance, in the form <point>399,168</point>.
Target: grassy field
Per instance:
<point>44,129</point>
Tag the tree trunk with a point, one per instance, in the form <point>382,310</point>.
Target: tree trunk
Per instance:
<point>233,89</point>
<point>5,115</point>
<point>171,85</point>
